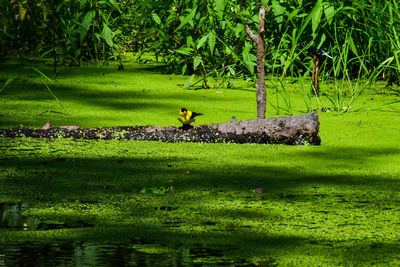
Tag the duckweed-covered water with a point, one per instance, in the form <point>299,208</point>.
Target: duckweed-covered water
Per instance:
<point>73,202</point>
<point>136,252</point>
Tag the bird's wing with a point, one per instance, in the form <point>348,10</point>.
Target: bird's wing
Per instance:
<point>195,114</point>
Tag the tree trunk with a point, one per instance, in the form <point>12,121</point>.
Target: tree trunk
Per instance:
<point>293,130</point>
<point>315,74</point>
<point>258,39</point>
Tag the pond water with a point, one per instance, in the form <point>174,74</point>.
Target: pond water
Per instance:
<point>111,254</point>
<point>137,252</point>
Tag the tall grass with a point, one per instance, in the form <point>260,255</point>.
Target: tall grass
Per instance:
<point>201,36</point>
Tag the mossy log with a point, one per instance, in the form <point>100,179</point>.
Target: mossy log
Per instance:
<point>292,130</point>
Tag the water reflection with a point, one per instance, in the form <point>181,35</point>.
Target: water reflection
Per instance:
<point>110,254</point>
<point>11,218</point>
<point>135,253</point>
<point>10,215</point>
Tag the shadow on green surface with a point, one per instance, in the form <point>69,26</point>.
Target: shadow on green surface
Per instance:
<point>137,171</point>
<point>83,181</point>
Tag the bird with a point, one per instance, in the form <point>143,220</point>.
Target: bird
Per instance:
<point>187,117</point>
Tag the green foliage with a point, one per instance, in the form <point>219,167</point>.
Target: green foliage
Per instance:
<point>70,31</point>
<point>211,34</point>
<point>207,38</point>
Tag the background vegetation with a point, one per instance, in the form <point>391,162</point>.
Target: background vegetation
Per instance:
<point>208,37</point>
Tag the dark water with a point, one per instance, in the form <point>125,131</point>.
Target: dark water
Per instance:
<point>11,218</point>
<point>109,254</point>
<point>135,253</point>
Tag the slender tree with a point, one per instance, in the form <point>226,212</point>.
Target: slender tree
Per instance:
<point>258,39</point>
<point>315,73</point>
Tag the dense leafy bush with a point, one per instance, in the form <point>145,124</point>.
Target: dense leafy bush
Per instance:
<point>208,37</point>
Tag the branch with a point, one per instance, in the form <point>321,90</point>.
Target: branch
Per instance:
<point>260,26</point>
<point>250,34</point>
<point>261,19</point>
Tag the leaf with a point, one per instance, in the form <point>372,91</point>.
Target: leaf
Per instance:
<point>265,2</point>
<point>115,33</point>
<point>211,41</point>
<point>220,6</point>
<point>115,4</point>
<point>187,19</point>
<point>39,72</point>
<point>238,29</point>
<point>9,80</point>
<point>184,51</point>
<point>156,18</point>
<point>82,3</point>
<point>202,41</point>
<point>329,13</point>
<point>248,58</point>
<point>189,41</point>
<point>189,81</point>
<point>184,68</point>
<point>278,11</point>
<point>106,34</point>
<point>323,38</point>
<point>197,60</point>
<point>87,20</point>
<point>22,12</point>
<point>231,70</point>
<point>316,15</point>
<point>97,35</point>
<point>46,78</point>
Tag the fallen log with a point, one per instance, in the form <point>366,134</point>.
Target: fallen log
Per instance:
<point>291,130</point>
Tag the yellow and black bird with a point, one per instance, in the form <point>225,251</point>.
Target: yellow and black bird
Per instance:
<point>187,117</point>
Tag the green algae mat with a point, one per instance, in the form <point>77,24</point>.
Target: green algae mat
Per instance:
<point>119,202</point>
